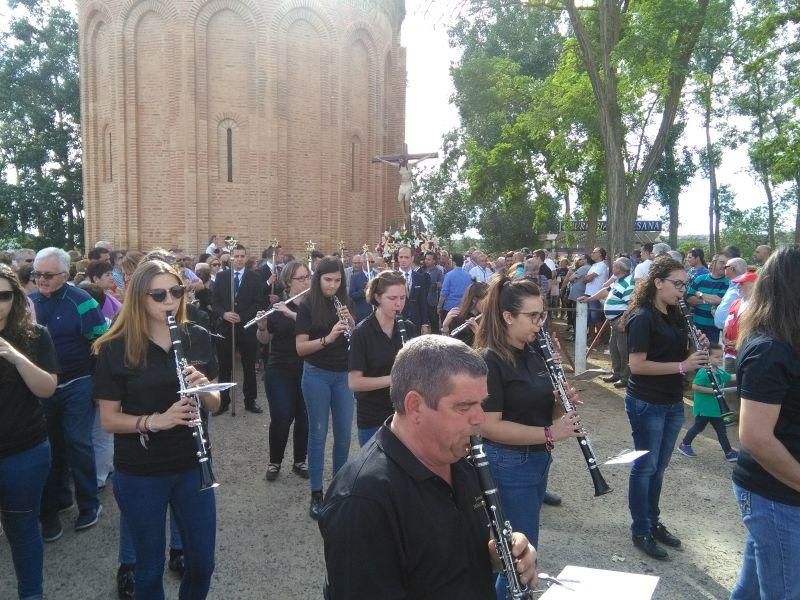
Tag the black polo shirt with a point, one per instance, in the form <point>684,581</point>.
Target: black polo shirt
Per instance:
<point>372,352</point>
<point>332,357</point>
<point>394,530</point>
<point>282,346</point>
<point>522,391</point>
<point>149,389</point>
<point>22,424</point>
<point>663,338</point>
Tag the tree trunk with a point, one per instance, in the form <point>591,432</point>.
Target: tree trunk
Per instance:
<point>713,199</point>
<point>673,221</point>
<point>592,215</point>
<point>770,206</point>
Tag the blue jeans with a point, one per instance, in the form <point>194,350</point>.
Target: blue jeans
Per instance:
<point>22,478</point>
<point>595,311</point>
<point>70,418</point>
<point>521,478</point>
<point>103,445</point>
<point>655,428</point>
<point>326,393</point>
<point>143,500</point>
<point>365,435</point>
<point>127,553</point>
<point>771,549</point>
<point>286,405</point>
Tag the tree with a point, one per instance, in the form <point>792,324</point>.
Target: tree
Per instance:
<point>40,168</point>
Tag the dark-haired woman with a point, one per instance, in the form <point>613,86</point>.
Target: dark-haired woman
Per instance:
<point>373,347</point>
<point>27,366</point>
<point>471,307</point>
<point>766,479</point>
<point>283,374</point>
<point>659,357</point>
<point>519,430</point>
<point>322,344</point>
<point>154,451</point>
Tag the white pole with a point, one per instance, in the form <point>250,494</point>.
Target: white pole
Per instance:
<point>581,317</point>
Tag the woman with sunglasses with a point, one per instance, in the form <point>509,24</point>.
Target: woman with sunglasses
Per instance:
<point>472,304</point>
<point>154,451</point>
<point>520,429</point>
<point>373,348</point>
<point>27,366</point>
<point>283,375</point>
<point>322,344</point>
<point>659,357</point>
<point>766,478</point>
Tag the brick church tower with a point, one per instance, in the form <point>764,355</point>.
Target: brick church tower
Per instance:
<point>256,118</point>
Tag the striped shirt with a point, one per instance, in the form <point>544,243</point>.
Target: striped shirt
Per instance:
<point>703,316</point>
<point>618,297</point>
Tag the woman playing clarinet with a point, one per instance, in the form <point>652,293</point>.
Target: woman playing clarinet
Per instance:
<point>766,478</point>
<point>155,460</point>
<point>283,375</point>
<point>373,347</point>
<point>519,431</point>
<point>659,357</point>
<point>321,341</point>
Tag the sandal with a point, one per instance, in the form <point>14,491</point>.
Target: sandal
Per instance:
<point>272,471</point>
<point>300,469</point>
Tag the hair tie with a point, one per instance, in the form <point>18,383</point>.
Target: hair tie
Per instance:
<point>506,283</point>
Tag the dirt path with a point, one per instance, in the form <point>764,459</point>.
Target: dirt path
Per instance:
<point>268,547</point>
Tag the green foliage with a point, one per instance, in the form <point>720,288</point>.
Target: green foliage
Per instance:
<point>40,169</point>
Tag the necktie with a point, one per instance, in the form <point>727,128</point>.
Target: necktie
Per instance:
<point>408,280</point>
<point>236,283</point>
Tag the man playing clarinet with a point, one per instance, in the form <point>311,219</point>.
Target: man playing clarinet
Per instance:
<point>409,501</point>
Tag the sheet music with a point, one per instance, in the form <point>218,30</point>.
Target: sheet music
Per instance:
<point>582,583</point>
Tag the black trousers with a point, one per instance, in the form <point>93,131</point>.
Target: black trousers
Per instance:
<point>247,345</point>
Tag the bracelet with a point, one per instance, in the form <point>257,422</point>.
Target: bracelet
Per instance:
<point>139,424</point>
<point>323,342</point>
<point>147,425</point>
<point>680,369</point>
<point>548,436</point>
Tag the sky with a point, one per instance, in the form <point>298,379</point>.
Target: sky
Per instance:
<point>430,114</point>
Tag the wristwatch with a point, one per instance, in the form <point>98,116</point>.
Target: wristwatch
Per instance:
<point>699,295</point>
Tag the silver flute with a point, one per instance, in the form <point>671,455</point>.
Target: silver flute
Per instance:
<point>343,318</point>
<point>207,480</point>
<point>255,320</point>
<point>464,325</point>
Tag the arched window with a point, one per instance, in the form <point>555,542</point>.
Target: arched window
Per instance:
<point>228,147</point>
<point>229,151</point>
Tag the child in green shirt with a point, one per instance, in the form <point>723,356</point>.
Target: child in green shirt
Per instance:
<point>706,407</point>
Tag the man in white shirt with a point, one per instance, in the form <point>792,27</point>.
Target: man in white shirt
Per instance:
<point>644,265</point>
<point>481,271</point>
<point>595,278</point>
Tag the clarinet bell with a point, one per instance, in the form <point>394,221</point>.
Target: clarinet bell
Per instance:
<point>600,485</point>
<point>207,481</point>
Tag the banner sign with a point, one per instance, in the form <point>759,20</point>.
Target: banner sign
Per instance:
<point>638,226</point>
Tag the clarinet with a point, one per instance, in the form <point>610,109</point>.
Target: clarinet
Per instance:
<point>349,331</point>
<point>559,381</point>
<point>499,526</point>
<point>401,328</point>
<point>207,480</point>
<point>727,415</point>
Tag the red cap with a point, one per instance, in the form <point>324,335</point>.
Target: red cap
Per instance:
<point>748,277</point>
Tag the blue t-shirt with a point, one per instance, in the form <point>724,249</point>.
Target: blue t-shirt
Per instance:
<point>455,284</point>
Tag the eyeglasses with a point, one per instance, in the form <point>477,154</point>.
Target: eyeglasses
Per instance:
<point>176,291</point>
<point>6,295</point>
<point>46,276</point>
<point>729,266</point>
<point>301,278</point>
<point>216,265</point>
<point>678,283</point>
<point>535,316</point>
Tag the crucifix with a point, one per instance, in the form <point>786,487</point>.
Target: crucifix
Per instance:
<point>404,162</point>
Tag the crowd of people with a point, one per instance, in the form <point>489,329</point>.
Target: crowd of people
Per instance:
<point>88,367</point>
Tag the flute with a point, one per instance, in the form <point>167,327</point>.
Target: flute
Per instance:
<point>727,414</point>
<point>207,480</point>
<point>498,525</point>
<point>560,386</point>
<point>464,325</point>
<point>255,320</point>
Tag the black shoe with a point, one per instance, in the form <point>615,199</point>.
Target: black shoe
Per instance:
<point>177,564</point>
<point>253,408</point>
<point>552,499</point>
<point>316,505</point>
<point>610,379</point>
<point>649,546</point>
<point>300,469</point>
<point>223,408</point>
<point>660,533</point>
<point>88,518</point>
<point>126,581</point>
<point>620,384</point>
<point>272,471</point>
<point>51,528</point>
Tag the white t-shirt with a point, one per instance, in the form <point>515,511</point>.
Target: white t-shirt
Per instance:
<point>211,247</point>
<point>549,262</point>
<point>641,269</point>
<point>593,286</point>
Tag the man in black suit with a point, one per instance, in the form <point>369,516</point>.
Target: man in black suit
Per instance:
<point>417,284</point>
<point>249,298</point>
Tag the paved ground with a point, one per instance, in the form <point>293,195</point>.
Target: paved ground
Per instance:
<point>268,547</point>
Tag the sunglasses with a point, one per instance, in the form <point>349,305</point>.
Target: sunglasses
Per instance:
<point>176,291</point>
<point>6,295</point>
<point>46,276</point>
